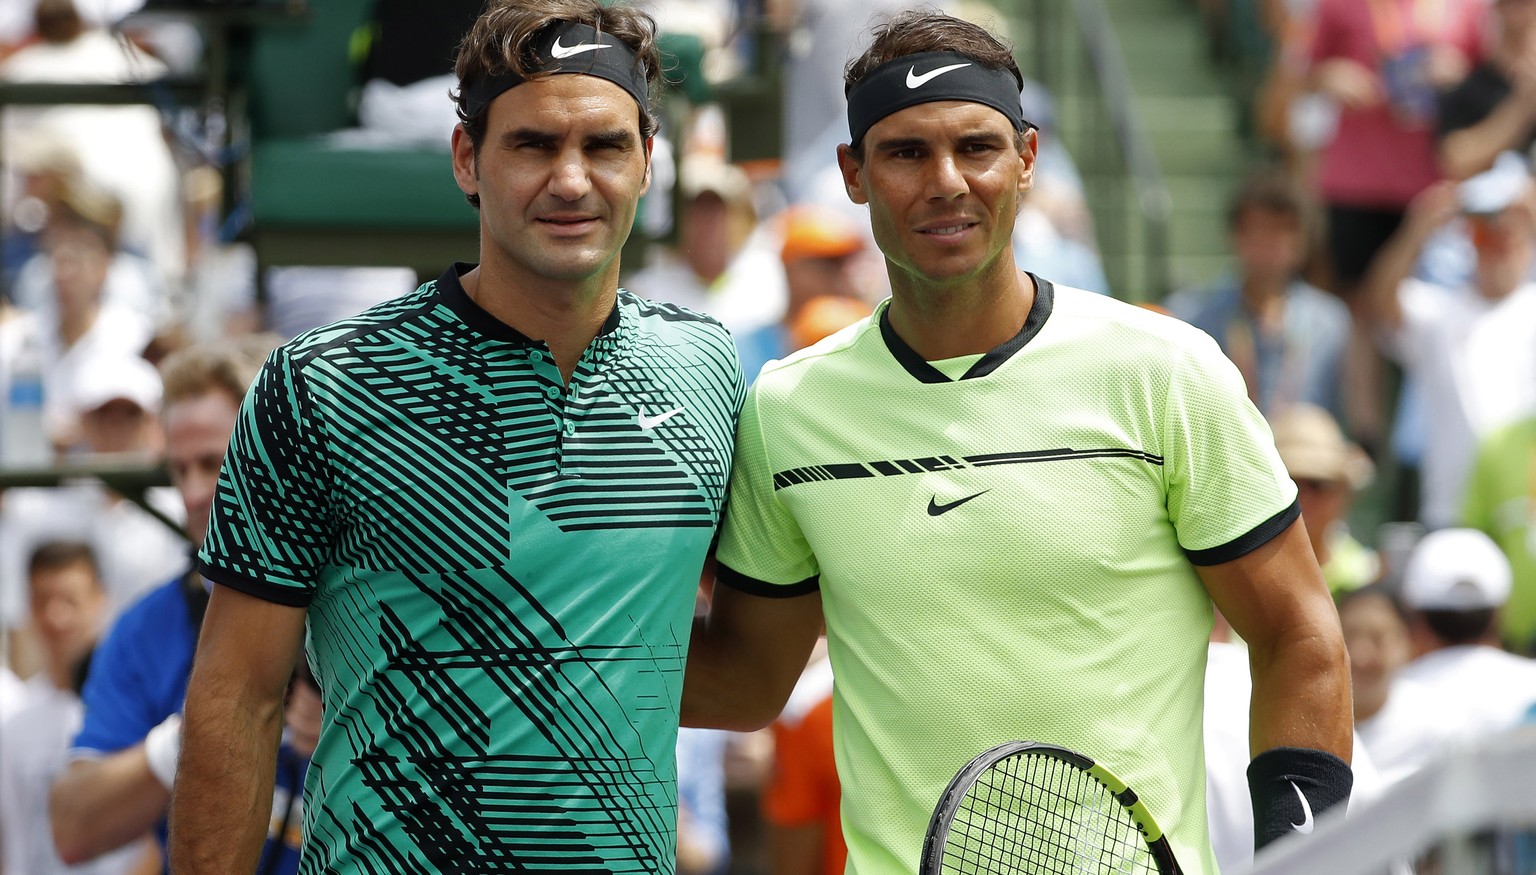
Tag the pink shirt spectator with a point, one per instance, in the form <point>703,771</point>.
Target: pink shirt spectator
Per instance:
<point>1383,155</point>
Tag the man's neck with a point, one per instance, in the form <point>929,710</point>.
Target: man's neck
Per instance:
<point>76,324</point>
<point>566,316</point>
<point>1263,296</point>
<point>965,319</point>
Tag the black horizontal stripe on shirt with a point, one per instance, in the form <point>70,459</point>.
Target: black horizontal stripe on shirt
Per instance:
<point>928,464</point>
<point>752,586</point>
<point>267,592</point>
<point>1242,545</point>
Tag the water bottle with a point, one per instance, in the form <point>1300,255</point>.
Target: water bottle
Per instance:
<point>23,435</point>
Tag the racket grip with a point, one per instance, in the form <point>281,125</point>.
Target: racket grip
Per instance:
<point>1290,787</point>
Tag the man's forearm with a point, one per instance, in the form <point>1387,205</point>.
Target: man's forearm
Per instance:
<point>1472,150</point>
<point>1301,695</point>
<point>223,796</point>
<point>99,805</point>
<point>744,659</point>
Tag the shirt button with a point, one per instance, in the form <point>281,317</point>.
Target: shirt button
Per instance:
<point>569,428</point>
<point>553,392</point>
<point>536,356</point>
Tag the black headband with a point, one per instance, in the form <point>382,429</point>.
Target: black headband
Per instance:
<point>569,47</point>
<point>925,78</point>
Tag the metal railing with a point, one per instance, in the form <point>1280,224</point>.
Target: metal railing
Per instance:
<point>1071,48</point>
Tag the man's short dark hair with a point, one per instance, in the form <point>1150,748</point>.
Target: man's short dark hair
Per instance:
<point>924,30</point>
<point>60,554</point>
<point>502,41</point>
<point>1271,190</point>
<point>1460,627</point>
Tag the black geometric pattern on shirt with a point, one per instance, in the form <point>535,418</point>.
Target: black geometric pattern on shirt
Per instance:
<point>666,310</point>
<point>929,464</point>
<point>674,475</point>
<point>278,426</point>
<point>458,396</point>
<point>470,811</point>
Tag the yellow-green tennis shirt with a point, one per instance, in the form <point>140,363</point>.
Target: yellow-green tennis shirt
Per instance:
<point>1009,553</point>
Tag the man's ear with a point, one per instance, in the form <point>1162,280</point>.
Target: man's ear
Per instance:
<point>645,184</point>
<point>853,174</point>
<point>464,171</point>
<point>1029,146</point>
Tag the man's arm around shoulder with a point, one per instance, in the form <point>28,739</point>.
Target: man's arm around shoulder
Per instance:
<point>233,721</point>
<point>745,656</point>
<point>99,804</point>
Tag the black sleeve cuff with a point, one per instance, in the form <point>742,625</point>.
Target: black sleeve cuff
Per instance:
<point>752,586</point>
<point>271,592</point>
<point>1290,787</point>
<point>1241,546</point>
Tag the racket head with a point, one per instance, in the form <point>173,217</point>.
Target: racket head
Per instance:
<point>1031,808</point>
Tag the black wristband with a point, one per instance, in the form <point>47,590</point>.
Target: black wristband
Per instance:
<point>1290,786</point>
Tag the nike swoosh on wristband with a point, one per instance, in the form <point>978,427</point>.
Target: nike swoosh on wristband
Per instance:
<point>560,51</point>
<point>649,422</point>
<point>917,81</point>
<point>936,509</point>
<point>1305,827</point>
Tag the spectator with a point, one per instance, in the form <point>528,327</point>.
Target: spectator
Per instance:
<point>1389,716</point>
<point>1382,62</point>
<point>1329,471</point>
<point>1501,503</point>
<point>1454,585</point>
<point>121,148</point>
<point>801,800</point>
<point>123,761</point>
<point>1287,337</point>
<point>68,607</point>
<point>825,258</point>
<point>53,343</point>
<point>115,400</point>
<point>1471,351</point>
<point>1493,110</point>
<point>719,265</point>
<point>703,829</point>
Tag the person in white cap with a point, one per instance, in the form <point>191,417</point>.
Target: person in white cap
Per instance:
<point>1471,351</point>
<point>1455,582</point>
<point>115,399</point>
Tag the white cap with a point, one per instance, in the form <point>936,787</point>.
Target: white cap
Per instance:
<point>1493,190</point>
<point>1456,570</point>
<point>107,378</point>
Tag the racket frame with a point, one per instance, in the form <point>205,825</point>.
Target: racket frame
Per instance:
<point>932,862</point>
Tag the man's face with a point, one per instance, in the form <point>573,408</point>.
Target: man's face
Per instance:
<point>943,182</point>
<point>1268,243</point>
<point>80,261</point>
<point>197,432</point>
<point>1503,242</point>
<point>119,426</point>
<point>559,176</point>
<point>1378,646</point>
<point>68,606</point>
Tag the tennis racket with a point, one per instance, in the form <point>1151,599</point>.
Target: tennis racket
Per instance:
<point>1026,808</point>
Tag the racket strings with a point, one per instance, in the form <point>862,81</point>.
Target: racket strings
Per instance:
<point>1033,814</point>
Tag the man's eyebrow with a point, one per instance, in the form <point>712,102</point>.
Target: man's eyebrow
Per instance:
<point>527,135</point>
<point>615,137</point>
<point>891,144</point>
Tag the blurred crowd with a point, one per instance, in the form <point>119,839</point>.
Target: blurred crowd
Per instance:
<point>1379,305</point>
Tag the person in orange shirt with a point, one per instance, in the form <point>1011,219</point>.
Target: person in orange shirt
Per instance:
<point>800,801</point>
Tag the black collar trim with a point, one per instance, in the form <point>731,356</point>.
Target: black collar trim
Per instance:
<point>1039,312</point>
<point>477,317</point>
